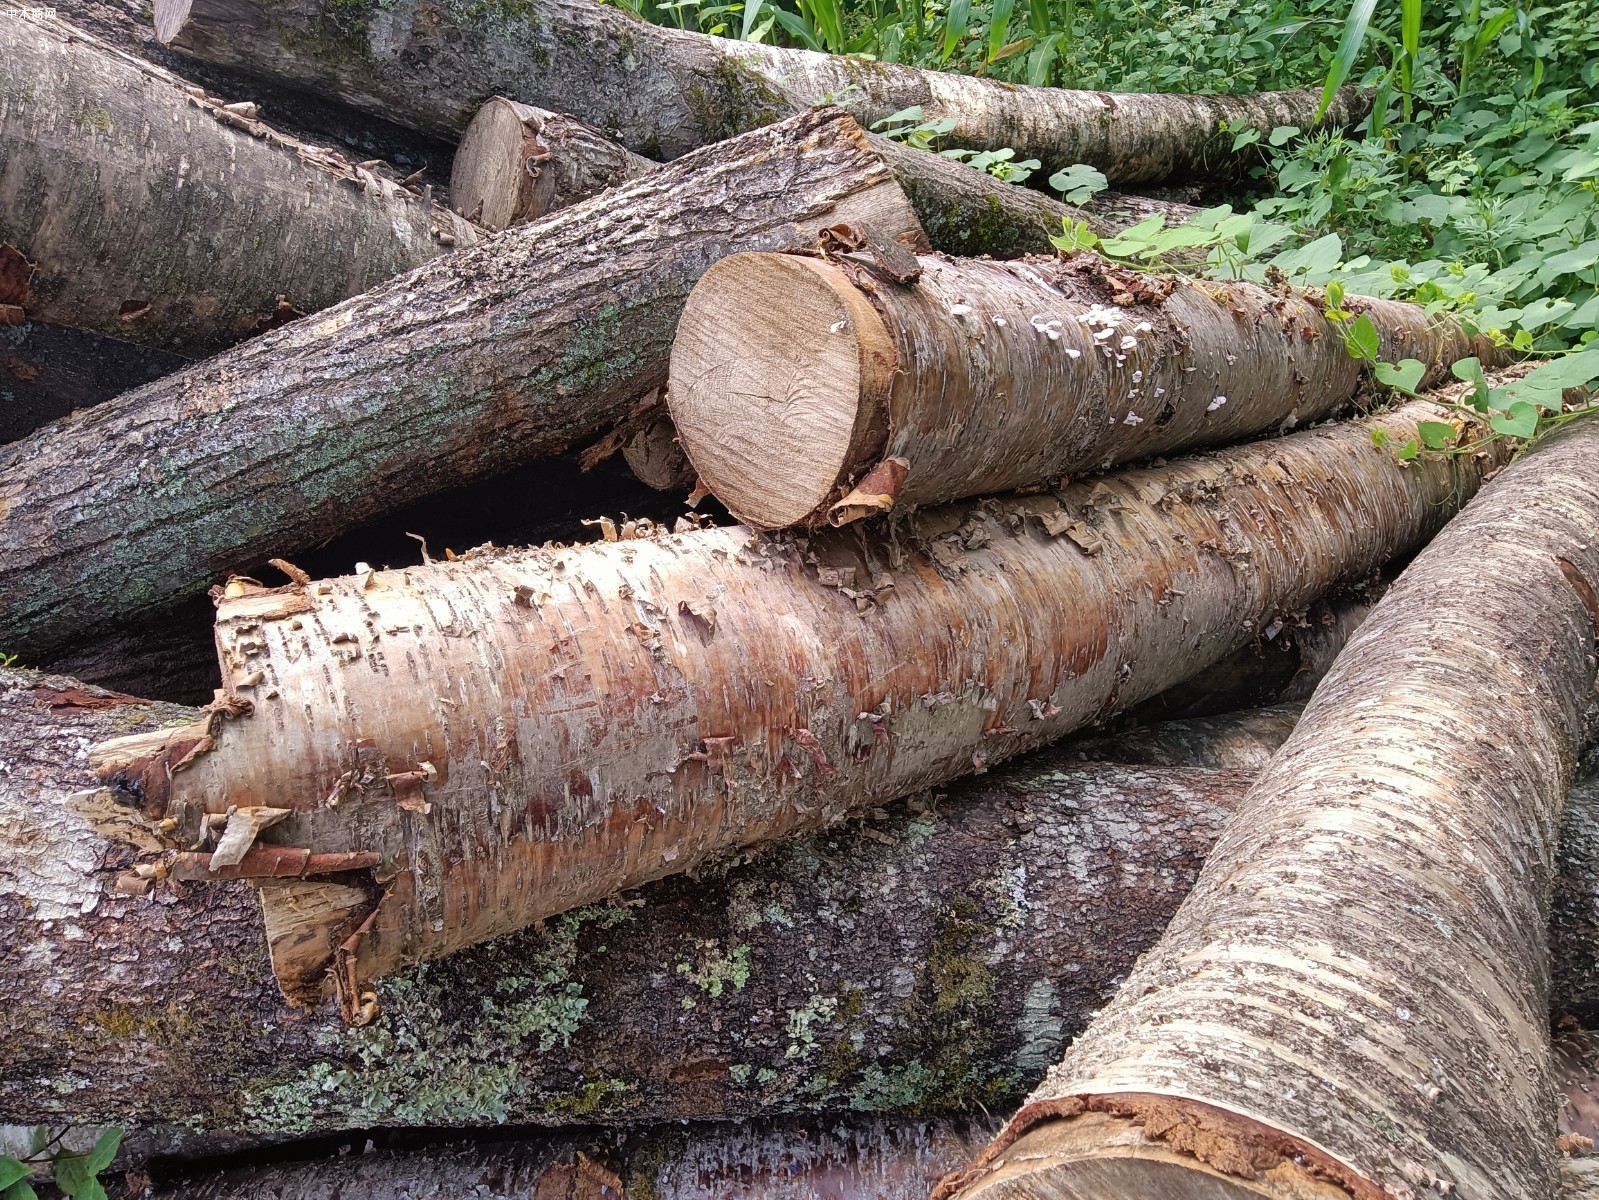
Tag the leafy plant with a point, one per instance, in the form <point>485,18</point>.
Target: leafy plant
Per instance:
<point>74,1173</point>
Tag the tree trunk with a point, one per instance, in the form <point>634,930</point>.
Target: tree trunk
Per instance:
<point>1353,999</point>
<point>922,960</point>
<point>392,710</point>
<point>662,92</point>
<point>499,354</point>
<point>655,457</point>
<point>151,214</point>
<point>498,183</point>
<point>517,163</point>
<point>47,371</point>
<point>806,390</point>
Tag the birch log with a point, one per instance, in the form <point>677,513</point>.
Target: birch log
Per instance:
<point>502,353</point>
<point>925,959</point>
<point>517,162</point>
<point>662,92</point>
<point>518,735</point>
<point>133,205</point>
<point>806,390</point>
<point>1352,1001</point>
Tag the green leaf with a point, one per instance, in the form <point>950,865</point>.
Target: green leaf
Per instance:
<point>1079,183</point>
<point>1404,376</point>
<point>1469,370</point>
<point>72,1174</point>
<point>998,27</point>
<point>960,14</point>
<point>11,1170</point>
<point>1362,339</point>
<point>1283,133</point>
<point>1335,295</point>
<point>1521,420</point>
<point>1409,452</point>
<point>1435,435</point>
<point>21,1190</point>
<point>1348,52</point>
<point>1078,236</point>
<point>105,1149</point>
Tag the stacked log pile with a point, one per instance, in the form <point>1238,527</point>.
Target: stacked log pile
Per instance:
<point>818,788</point>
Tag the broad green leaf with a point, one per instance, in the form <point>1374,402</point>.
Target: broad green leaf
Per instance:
<point>72,1174</point>
<point>1404,375</point>
<point>1409,452</point>
<point>1469,370</point>
<point>1521,420</point>
<point>20,1190</point>
<point>11,1170</point>
<point>1080,182</point>
<point>1435,435</point>
<point>1362,339</point>
<point>1282,134</point>
<point>105,1149</point>
<point>1318,256</point>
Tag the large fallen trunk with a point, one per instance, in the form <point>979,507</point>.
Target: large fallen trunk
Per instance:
<point>522,733</point>
<point>662,92</point>
<point>517,163</point>
<point>807,390</point>
<point>1353,1000</point>
<point>504,352</point>
<point>133,205</point>
<point>47,371</point>
<point>925,959</point>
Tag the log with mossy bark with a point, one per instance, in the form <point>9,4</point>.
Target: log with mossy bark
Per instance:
<point>522,733</point>
<point>810,390</point>
<point>134,205</point>
<point>925,959</point>
<point>1353,1000</point>
<point>507,351</point>
<point>517,162</point>
<point>662,92</point>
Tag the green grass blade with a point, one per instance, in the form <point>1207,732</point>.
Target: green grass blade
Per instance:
<point>1348,52</point>
<point>999,27</point>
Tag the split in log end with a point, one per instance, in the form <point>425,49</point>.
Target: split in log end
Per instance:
<point>780,374</point>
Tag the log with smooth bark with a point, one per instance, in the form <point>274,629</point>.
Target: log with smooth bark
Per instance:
<point>807,390</point>
<point>1353,1000</point>
<point>523,733</point>
<point>926,959</point>
<point>662,92</point>
<point>517,162</point>
<point>132,206</point>
<point>504,352</point>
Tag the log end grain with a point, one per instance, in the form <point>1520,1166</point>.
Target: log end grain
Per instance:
<point>654,455</point>
<point>170,18</point>
<point>491,181</point>
<point>779,385</point>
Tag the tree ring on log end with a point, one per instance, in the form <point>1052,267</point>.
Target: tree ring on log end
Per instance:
<point>487,180</point>
<point>779,385</point>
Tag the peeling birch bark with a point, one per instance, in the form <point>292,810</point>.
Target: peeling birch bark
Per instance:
<point>521,734</point>
<point>662,92</point>
<point>505,352</point>
<point>152,213</point>
<point>517,163</point>
<point>1352,1001</point>
<point>926,959</point>
<point>793,379</point>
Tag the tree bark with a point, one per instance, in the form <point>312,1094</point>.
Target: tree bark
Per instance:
<point>392,711</point>
<point>499,354</point>
<point>517,163</point>
<point>922,960</point>
<point>662,92</point>
<point>806,390</point>
<point>1352,1001</point>
<point>151,214</point>
<point>497,183</point>
<point>47,371</point>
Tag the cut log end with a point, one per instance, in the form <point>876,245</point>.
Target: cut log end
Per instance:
<point>655,457</point>
<point>780,375</point>
<point>170,18</point>
<point>490,175</point>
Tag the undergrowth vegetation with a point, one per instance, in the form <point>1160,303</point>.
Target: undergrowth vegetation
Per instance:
<point>1473,188</point>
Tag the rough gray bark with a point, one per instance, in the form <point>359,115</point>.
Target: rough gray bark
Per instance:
<point>47,371</point>
<point>504,352</point>
<point>1353,1000</point>
<point>517,162</point>
<point>392,712</point>
<point>662,92</point>
<point>925,959</point>
<point>151,214</point>
<point>807,391</point>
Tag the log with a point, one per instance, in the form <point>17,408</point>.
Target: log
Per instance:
<point>517,163</point>
<point>654,456</point>
<point>662,92</point>
<point>145,212</point>
<point>807,390</point>
<point>47,371</point>
<point>1352,1001</point>
<point>498,183</point>
<point>524,733</point>
<point>468,366</point>
<point>950,947</point>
